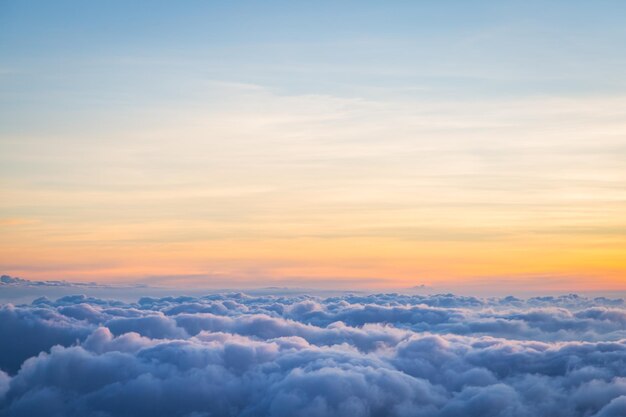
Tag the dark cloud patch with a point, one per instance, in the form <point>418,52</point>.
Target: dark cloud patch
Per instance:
<point>26,331</point>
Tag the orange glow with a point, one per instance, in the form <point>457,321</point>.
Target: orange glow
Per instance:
<point>581,264</point>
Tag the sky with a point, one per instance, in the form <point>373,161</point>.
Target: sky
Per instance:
<point>343,145</point>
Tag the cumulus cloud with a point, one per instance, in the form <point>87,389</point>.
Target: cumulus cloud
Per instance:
<point>379,355</point>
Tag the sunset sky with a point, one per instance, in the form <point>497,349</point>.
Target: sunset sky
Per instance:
<point>340,145</point>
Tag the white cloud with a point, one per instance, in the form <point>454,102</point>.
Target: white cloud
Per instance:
<point>297,355</point>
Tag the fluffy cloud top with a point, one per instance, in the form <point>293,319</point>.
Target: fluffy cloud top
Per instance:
<point>378,355</point>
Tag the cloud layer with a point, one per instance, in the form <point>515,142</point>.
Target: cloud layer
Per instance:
<point>298,355</point>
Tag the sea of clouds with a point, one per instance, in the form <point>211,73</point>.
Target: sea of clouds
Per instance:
<point>299,355</point>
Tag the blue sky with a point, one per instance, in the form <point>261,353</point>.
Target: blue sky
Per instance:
<point>307,136</point>
<point>453,48</point>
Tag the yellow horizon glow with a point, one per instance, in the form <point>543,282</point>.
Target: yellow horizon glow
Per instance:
<point>316,189</point>
<point>578,265</point>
